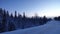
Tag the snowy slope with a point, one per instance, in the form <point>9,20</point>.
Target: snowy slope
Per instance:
<point>52,27</point>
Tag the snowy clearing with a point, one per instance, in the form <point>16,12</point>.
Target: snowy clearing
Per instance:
<point>52,27</point>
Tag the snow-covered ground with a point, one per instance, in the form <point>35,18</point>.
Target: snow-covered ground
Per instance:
<point>52,27</point>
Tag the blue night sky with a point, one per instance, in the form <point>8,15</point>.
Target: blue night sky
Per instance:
<point>31,7</point>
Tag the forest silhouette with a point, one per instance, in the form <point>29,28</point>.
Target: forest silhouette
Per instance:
<point>8,22</point>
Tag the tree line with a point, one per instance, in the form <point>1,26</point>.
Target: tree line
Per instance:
<point>8,22</point>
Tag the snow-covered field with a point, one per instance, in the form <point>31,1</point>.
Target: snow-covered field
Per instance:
<point>52,27</point>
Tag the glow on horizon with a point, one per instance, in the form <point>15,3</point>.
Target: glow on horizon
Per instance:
<point>50,13</point>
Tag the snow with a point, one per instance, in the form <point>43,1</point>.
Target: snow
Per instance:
<point>52,27</point>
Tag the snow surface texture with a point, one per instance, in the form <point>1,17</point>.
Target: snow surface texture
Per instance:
<point>52,27</point>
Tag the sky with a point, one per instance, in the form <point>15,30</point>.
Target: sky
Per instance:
<point>49,8</point>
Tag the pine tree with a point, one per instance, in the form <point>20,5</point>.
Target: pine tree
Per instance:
<point>7,13</point>
<point>15,14</point>
<point>23,20</point>
<point>44,19</point>
<point>1,16</point>
<point>1,11</point>
<point>24,15</point>
<point>4,22</point>
<point>11,15</point>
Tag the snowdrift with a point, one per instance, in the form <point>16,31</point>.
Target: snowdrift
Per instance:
<point>52,27</point>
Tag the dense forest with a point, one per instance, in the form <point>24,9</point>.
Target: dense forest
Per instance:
<point>8,22</point>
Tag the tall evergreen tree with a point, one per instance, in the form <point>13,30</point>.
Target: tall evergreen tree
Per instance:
<point>44,19</point>
<point>23,20</point>
<point>1,16</point>
<point>24,15</point>
<point>11,15</point>
<point>4,22</point>
<point>1,11</point>
<point>7,13</point>
<point>15,14</point>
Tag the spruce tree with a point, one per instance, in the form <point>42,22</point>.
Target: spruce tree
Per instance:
<point>4,22</point>
<point>7,13</point>
<point>11,15</point>
<point>15,14</point>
